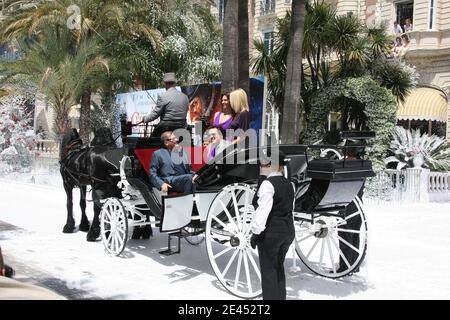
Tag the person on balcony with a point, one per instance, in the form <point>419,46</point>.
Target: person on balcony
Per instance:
<point>408,27</point>
<point>404,48</point>
<point>397,29</point>
<point>397,46</point>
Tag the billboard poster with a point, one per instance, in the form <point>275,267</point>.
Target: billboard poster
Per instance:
<point>204,102</point>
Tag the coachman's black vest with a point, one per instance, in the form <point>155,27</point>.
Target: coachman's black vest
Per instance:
<point>280,217</point>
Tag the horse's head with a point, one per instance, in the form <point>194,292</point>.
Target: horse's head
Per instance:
<point>103,137</point>
<point>70,140</point>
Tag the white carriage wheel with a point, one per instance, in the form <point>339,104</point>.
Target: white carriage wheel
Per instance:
<point>234,262</point>
<point>114,226</point>
<point>194,240</point>
<point>319,245</point>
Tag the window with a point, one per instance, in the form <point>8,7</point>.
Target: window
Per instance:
<point>267,6</point>
<point>404,15</point>
<point>221,10</point>
<point>431,14</point>
<point>268,41</point>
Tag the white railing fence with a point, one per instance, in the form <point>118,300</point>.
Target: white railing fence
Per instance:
<point>47,146</point>
<point>439,182</point>
<point>408,186</point>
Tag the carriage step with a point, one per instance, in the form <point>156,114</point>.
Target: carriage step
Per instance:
<point>169,251</point>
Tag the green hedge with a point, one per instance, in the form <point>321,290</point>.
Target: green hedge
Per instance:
<point>380,108</point>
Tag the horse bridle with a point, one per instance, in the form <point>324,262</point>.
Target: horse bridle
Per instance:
<point>76,145</point>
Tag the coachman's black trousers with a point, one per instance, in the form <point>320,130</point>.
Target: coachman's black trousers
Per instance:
<point>272,249</point>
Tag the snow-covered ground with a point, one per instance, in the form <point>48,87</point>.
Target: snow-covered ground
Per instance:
<point>408,255</point>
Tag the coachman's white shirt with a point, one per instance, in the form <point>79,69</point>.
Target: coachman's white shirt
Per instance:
<point>265,202</point>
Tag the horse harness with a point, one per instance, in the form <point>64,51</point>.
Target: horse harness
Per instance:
<point>70,150</point>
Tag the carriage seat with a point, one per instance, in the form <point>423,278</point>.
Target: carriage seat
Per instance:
<point>152,199</point>
<point>339,169</point>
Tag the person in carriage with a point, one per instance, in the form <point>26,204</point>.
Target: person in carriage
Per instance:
<point>170,167</point>
<point>171,108</point>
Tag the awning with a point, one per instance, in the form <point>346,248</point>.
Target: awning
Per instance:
<point>424,104</point>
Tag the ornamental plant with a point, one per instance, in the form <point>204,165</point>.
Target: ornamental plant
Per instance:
<point>411,149</point>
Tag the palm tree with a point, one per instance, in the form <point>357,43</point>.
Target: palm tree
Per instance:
<point>292,116</point>
<point>243,45</point>
<point>333,48</point>
<point>87,19</point>
<point>230,63</point>
<point>62,76</point>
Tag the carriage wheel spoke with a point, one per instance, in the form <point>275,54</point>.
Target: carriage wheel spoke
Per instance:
<point>229,216</point>
<point>307,237</point>
<point>321,252</point>
<point>246,205</point>
<point>238,270</point>
<point>222,233</point>
<point>349,230</point>
<point>119,238</point>
<point>236,210</point>
<point>352,215</point>
<point>253,263</point>
<point>249,248</point>
<point>340,234</point>
<point>108,213</point>
<point>113,242</point>
<point>110,207</point>
<point>232,264</point>
<point>219,222</point>
<point>312,248</point>
<point>229,264</point>
<point>222,252</point>
<point>340,252</point>
<point>247,272</point>
<point>331,255</point>
<point>349,245</point>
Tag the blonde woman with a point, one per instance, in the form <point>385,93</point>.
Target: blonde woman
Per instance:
<point>239,104</point>
<point>408,25</point>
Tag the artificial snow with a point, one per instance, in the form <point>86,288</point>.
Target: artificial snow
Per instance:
<point>407,258</point>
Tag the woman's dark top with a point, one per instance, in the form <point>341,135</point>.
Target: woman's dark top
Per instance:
<point>241,121</point>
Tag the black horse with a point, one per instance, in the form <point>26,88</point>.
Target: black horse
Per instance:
<point>97,166</point>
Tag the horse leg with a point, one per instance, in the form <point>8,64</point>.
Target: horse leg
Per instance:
<point>70,224</point>
<point>137,232</point>
<point>94,231</point>
<point>147,232</point>
<point>84,225</point>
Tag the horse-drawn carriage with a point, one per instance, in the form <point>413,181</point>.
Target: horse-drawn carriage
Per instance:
<point>330,225</point>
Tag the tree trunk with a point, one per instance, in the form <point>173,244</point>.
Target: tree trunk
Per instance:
<point>243,43</point>
<point>230,67</point>
<point>61,123</point>
<point>85,117</point>
<point>293,113</point>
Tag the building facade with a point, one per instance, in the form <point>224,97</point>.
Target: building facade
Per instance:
<point>426,22</point>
